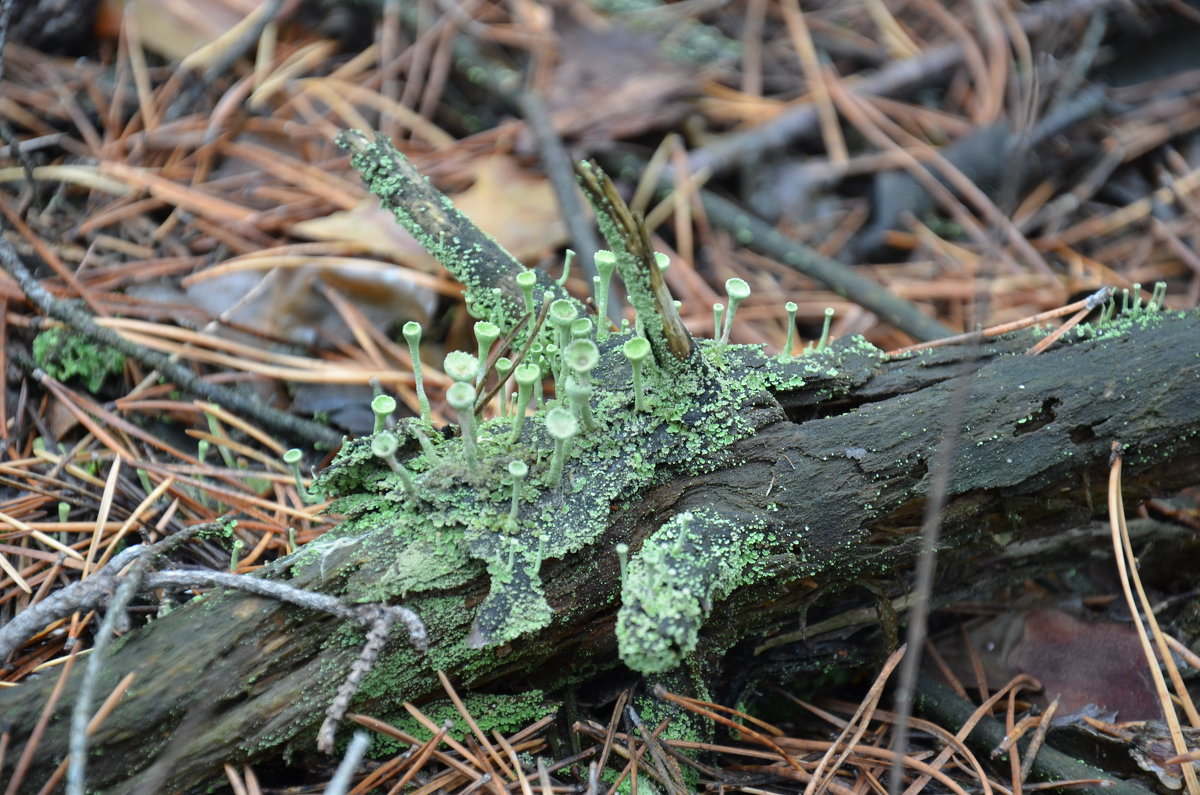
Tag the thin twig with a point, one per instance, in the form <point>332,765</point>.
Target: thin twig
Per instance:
<point>81,322</point>
<point>562,178</point>
<point>922,589</point>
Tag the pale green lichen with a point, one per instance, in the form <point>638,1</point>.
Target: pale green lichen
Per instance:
<point>693,560</point>
<point>468,516</point>
<point>500,712</point>
<point>690,411</point>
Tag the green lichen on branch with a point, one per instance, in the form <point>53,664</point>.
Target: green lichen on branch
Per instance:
<point>699,398</point>
<point>486,270</point>
<point>691,561</point>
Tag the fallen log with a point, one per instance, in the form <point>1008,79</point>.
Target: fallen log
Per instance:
<point>673,532</point>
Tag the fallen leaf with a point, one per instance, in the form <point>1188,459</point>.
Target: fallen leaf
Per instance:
<point>511,204</point>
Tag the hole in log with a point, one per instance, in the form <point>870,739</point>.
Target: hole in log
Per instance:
<point>1039,419</point>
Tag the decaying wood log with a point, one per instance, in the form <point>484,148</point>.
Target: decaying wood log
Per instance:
<point>747,482</point>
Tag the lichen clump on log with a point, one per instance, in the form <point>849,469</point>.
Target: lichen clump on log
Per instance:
<point>471,512</point>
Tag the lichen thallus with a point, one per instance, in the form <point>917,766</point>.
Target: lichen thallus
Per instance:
<point>587,417</point>
<point>567,362</point>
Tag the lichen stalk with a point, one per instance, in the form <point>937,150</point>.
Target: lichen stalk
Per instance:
<point>824,341</point>
<point>636,350</point>
<point>292,459</point>
<point>526,280</point>
<point>412,335</point>
<point>518,470</point>
<point>579,396</point>
<point>384,447</point>
<point>790,307</point>
<point>562,315</point>
<point>486,334</point>
<point>562,426</point>
<point>606,263</point>
<point>737,290</point>
<point>504,368</point>
<point>461,397</point>
<point>568,258</point>
<point>527,376</point>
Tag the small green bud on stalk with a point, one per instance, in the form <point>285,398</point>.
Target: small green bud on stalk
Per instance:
<point>526,280</point>
<point>527,375</point>
<point>636,350</point>
<point>486,334</point>
<point>292,459</point>
<point>737,290</point>
<point>790,307</point>
<point>518,470</point>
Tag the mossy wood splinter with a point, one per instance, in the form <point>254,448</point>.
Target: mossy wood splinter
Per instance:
<point>730,512</point>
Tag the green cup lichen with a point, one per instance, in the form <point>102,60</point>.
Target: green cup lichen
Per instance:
<point>412,335</point>
<point>384,447</point>
<point>527,376</point>
<point>562,425</point>
<point>486,334</point>
<point>382,407</point>
<point>460,366</point>
<point>292,459</point>
<point>518,470</point>
<point>737,290</point>
<point>790,307</point>
<point>526,281</point>
<point>636,349</point>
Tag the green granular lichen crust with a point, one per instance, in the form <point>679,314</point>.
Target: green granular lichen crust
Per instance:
<point>691,561</point>
<point>500,712</point>
<point>461,527</point>
<point>461,524</point>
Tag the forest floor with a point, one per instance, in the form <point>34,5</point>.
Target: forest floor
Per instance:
<point>172,178</point>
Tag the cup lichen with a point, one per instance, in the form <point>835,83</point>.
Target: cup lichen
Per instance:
<point>412,335</point>
<point>509,526</point>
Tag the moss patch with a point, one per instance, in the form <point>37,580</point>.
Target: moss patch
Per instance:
<point>65,355</point>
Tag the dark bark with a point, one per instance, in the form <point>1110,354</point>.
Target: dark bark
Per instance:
<point>236,677</point>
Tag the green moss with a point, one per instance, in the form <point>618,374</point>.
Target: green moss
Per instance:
<point>64,355</point>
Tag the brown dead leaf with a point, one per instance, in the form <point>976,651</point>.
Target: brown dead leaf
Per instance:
<point>515,207</point>
<point>512,205</point>
<point>369,225</point>
<point>1084,662</point>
